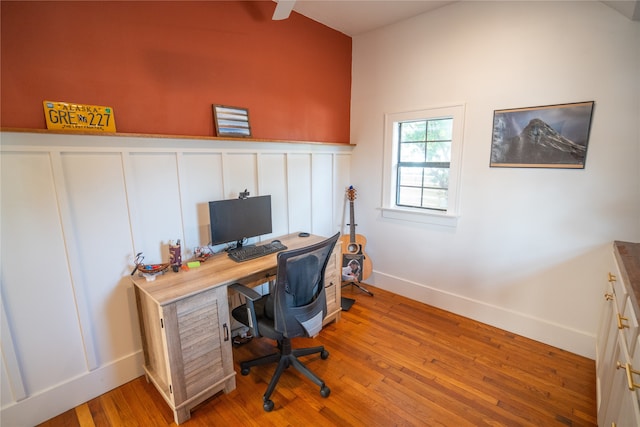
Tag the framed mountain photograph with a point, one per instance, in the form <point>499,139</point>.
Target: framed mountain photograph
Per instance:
<point>551,136</point>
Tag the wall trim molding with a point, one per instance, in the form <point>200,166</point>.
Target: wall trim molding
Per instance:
<point>163,136</point>
<point>53,401</point>
<point>554,334</point>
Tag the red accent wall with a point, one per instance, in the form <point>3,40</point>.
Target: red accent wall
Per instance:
<point>161,65</point>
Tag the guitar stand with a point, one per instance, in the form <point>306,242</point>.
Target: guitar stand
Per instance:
<point>357,285</point>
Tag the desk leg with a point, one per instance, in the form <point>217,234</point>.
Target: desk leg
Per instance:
<point>181,415</point>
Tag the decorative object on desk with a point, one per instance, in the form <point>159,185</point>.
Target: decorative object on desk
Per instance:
<point>153,268</point>
<point>147,269</point>
<point>175,255</point>
<point>552,136</point>
<point>202,254</point>
<point>356,264</point>
<point>231,121</point>
<point>78,117</point>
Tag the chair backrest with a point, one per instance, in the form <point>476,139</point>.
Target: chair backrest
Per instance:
<point>299,299</point>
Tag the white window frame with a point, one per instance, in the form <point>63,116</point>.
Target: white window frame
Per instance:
<point>389,208</point>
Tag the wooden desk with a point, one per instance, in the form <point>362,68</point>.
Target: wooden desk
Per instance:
<point>184,323</point>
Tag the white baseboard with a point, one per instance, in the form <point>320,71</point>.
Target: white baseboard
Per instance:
<point>556,335</point>
<point>46,404</point>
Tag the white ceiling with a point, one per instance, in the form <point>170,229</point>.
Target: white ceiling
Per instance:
<point>353,17</point>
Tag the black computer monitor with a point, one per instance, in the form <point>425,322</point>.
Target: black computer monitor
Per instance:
<point>235,220</point>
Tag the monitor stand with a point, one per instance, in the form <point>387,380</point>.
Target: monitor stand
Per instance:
<point>238,245</point>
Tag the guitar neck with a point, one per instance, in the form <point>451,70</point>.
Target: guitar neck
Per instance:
<point>352,223</point>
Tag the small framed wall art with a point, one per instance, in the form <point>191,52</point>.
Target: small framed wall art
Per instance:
<point>231,121</point>
<point>551,136</point>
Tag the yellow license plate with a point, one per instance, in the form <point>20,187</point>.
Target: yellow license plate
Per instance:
<point>81,117</point>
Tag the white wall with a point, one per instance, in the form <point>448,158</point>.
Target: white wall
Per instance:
<point>75,210</point>
<point>532,247</point>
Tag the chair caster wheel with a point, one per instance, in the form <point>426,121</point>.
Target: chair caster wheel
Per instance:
<point>324,354</point>
<point>268,405</point>
<point>244,371</point>
<point>325,391</point>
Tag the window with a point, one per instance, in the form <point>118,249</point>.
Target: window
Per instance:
<point>423,153</point>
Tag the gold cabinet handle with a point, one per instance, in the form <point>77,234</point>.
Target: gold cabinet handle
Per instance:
<point>620,320</point>
<point>612,278</point>
<point>608,296</point>
<point>630,371</point>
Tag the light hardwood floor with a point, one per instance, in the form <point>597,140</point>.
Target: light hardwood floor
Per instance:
<point>393,362</point>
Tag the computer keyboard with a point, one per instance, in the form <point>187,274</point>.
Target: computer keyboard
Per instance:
<point>246,253</point>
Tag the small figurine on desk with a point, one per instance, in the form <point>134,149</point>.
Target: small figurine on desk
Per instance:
<point>200,254</point>
<point>175,256</point>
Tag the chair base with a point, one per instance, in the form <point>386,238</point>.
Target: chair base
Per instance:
<point>287,357</point>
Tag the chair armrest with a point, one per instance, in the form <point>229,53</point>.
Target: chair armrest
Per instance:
<point>250,296</point>
<point>247,292</point>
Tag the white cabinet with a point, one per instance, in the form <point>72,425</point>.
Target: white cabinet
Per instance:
<point>618,346</point>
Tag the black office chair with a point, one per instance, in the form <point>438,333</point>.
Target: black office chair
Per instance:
<point>295,307</point>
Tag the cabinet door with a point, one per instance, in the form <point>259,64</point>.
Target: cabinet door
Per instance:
<point>619,288</point>
<point>629,326</point>
<point>153,342</point>
<point>199,346</point>
<point>607,366</point>
<point>605,344</point>
<point>622,409</point>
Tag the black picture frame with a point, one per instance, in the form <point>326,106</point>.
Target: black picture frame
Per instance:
<point>352,267</point>
<point>231,121</point>
<point>550,136</point>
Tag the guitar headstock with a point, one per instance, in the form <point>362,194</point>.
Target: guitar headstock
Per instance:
<point>351,193</point>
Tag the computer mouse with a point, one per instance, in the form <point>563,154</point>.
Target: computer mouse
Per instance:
<point>303,234</point>
<point>275,241</point>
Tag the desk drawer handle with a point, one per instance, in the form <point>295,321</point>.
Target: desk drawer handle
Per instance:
<point>620,320</point>
<point>630,372</point>
<point>226,332</point>
<point>612,278</point>
<point>608,297</point>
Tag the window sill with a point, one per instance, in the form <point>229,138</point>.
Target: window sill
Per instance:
<point>420,216</point>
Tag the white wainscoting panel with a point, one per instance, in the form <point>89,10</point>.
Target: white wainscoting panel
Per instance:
<point>75,211</point>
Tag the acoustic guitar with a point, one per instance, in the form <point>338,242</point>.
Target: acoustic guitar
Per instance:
<point>353,244</point>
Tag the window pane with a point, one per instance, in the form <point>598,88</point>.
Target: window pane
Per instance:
<point>436,177</point>
<point>440,129</point>
<point>412,151</point>
<point>439,151</point>
<point>410,176</point>
<point>409,196</point>
<point>435,199</point>
<point>413,131</point>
